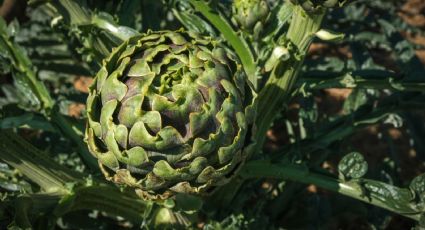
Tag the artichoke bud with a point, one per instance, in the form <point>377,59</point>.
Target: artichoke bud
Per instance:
<point>169,112</point>
<point>282,51</point>
<point>279,53</point>
<point>313,6</point>
<point>250,14</point>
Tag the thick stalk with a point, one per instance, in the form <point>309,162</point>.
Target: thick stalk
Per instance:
<point>29,205</point>
<point>53,179</point>
<point>34,164</point>
<point>262,169</point>
<point>108,199</point>
<point>278,88</point>
<point>103,198</point>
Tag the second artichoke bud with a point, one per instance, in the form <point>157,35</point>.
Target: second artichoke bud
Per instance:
<point>250,13</point>
<point>313,6</point>
<point>169,112</point>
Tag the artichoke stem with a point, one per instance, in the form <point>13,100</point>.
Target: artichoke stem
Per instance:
<point>353,188</point>
<point>280,85</point>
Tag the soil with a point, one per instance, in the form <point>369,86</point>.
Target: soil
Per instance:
<point>13,8</point>
<point>413,13</point>
<point>81,84</point>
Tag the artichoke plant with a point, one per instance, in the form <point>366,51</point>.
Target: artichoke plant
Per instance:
<point>172,113</point>
<point>169,112</point>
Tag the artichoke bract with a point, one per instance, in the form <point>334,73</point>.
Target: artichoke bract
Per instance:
<point>169,112</point>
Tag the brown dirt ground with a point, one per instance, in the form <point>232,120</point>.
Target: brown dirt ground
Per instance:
<point>81,84</point>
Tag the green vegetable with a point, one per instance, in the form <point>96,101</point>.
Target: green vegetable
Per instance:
<point>250,13</point>
<point>316,5</point>
<point>352,166</point>
<point>169,112</point>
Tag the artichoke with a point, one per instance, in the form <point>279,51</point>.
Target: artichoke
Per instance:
<point>317,5</point>
<point>250,13</point>
<point>169,112</point>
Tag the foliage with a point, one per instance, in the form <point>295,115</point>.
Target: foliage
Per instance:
<point>276,179</point>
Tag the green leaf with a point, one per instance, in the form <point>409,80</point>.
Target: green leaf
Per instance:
<point>365,79</point>
<point>30,120</point>
<point>396,198</point>
<point>97,32</point>
<point>194,23</point>
<point>105,21</point>
<point>279,18</point>
<point>25,79</point>
<point>184,13</point>
<point>352,166</point>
